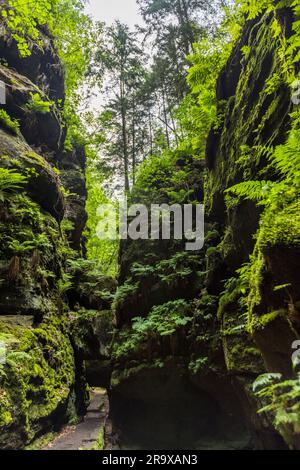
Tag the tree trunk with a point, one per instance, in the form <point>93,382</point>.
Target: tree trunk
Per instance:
<point>133,144</point>
<point>150,132</point>
<point>124,135</point>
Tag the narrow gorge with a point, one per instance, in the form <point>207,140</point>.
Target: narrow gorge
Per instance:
<point>186,349</point>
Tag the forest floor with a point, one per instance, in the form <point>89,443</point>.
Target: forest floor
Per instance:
<point>88,434</point>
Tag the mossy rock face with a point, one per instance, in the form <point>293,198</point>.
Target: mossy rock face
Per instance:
<point>43,183</point>
<point>90,290</point>
<point>165,408</point>
<point>275,287</point>
<point>92,333</point>
<point>36,376</point>
<point>40,127</point>
<point>254,117</point>
<point>42,374</point>
<point>43,67</point>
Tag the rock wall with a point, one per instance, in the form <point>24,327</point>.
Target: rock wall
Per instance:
<point>255,119</point>
<point>42,382</point>
<point>217,350</point>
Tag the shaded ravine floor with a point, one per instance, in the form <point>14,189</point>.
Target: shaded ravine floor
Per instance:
<point>89,434</point>
<point>96,432</point>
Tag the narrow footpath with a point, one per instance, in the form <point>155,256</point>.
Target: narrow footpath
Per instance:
<point>89,434</point>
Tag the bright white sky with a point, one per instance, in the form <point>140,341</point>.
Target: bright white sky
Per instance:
<point>111,10</point>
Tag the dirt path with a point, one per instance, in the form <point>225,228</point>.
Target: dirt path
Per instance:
<point>89,434</point>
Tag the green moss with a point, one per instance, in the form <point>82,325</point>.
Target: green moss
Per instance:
<point>121,375</point>
<point>37,376</point>
<point>227,299</point>
<point>227,243</point>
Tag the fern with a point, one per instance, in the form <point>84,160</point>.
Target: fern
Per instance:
<point>162,322</point>
<point>252,190</point>
<point>9,123</point>
<point>18,247</point>
<point>283,401</point>
<point>264,381</point>
<point>123,292</point>
<point>253,8</point>
<point>10,182</point>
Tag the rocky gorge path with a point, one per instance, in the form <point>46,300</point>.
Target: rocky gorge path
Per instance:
<point>89,434</point>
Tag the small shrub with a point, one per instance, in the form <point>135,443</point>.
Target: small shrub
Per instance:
<point>10,182</point>
<point>9,123</point>
<point>37,105</point>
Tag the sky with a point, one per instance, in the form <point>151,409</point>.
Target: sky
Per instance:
<point>111,10</point>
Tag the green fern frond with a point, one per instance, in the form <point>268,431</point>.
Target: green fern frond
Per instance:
<point>10,181</point>
<point>264,381</point>
<point>251,190</point>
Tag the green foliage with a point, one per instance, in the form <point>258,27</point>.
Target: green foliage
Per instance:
<point>286,157</point>
<point>170,271</point>
<point>38,105</point>
<point>155,173</point>
<point>104,251</point>
<point>163,321</point>
<point>36,379</point>
<point>123,292</point>
<point>253,190</point>
<point>279,224</point>
<point>9,123</point>
<point>73,36</point>
<point>198,111</point>
<point>265,381</point>
<point>235,290</point>
<point>64,18</point>
<point>253,8</point>
<point>10,182</point>
<point>170,183</point>
<point>282,400</point>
